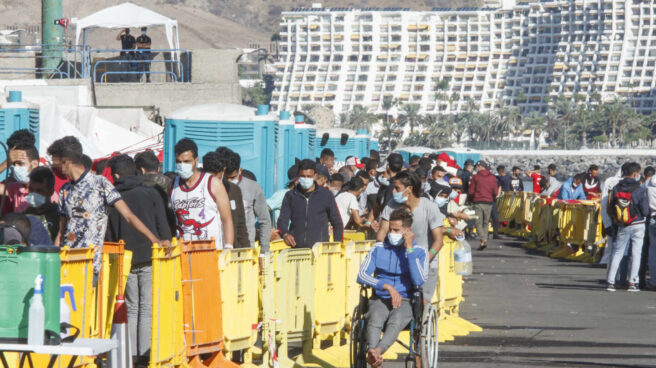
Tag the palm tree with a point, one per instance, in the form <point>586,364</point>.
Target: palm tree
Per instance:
<point>536,122</point>
<point>411,115</point>
<point>566,111</point>
<point>389,136</point>
<point>360,118</point>
<point>439,130</point>
<point>617,113</point>
<point>509,120</point>
<point>440,88</point>
<point>552,125</point>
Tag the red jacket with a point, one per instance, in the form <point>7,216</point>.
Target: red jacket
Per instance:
<point>483,187</point>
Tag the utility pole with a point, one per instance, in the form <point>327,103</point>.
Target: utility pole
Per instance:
<point>51,36</point>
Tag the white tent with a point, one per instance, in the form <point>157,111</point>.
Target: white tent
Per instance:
<point>126,15</point>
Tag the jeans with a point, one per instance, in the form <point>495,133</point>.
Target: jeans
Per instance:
<point>627,236</point>
<point>138,298</point>
<point>483,212</point>
<point>381,311</point>
<point>494,216</point>
<point>652,252</point>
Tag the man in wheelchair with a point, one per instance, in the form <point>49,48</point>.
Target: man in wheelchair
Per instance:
<point>393,268</point>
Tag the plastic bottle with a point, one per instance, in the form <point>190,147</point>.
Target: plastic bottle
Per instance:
<point>37,315</point>
<point>462,256</point>
<point>64,311</point>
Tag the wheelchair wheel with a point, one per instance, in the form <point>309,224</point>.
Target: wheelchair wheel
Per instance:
<point>358,345</point>
<point>428,342</point>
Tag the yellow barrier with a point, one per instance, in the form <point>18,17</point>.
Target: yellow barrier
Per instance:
<point>354,254</point>
<point>115,261</point>
<point>562,229</point>
<point>294,300</point>
<point>239,296</point>
<point>351,235</point>
<point>167,346</point>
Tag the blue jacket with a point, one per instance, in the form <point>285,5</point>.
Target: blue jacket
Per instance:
<point>388,264</point>
<point>566,191</point>
<point>307,218</point>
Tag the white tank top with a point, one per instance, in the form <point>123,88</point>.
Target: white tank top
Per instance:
<point>197,217</point>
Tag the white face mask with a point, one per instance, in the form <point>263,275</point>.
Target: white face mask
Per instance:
<point>306,183</point>
<point>235,181</point>
<point>21,174</point>
<point>184,170</point>
<point>35,199</point>
<point>334,191</point>
<point>395,239</point>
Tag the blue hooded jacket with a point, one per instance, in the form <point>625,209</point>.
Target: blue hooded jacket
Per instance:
<point>394,265</point>
<point>566,191</point>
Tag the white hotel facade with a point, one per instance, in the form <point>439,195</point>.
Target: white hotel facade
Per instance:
<point>510,53</point>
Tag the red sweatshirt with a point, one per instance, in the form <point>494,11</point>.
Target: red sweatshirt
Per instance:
<point>483,187</point>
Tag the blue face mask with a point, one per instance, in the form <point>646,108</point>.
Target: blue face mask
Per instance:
<point>21,174</point>
<point>184,170</point>
<point>441,201</point>
<point>399,198</point>
<point>383,181</point>
<point>395,239</point>
<point>35,199</point>
<point>306,183</point>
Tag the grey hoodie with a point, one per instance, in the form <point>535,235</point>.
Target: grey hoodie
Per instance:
<point>651,193</point>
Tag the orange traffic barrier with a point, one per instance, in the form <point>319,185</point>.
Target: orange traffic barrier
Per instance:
<point>201,294</point>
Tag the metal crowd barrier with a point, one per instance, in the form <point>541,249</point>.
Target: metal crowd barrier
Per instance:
<point>561,229</point>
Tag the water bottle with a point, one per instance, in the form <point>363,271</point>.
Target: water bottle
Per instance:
<point>37,315</point>
<point>463,257</point>
<point>64,311</point>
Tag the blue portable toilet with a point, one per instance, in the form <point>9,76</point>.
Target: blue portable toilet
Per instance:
<point>15,115</point>
<point>305,136</point>
<point>362,138</point>
<point>462,154</point>
<point>407,152</point>
<point>237,127</point>
<point>285,153</point>
<point>332,138</point>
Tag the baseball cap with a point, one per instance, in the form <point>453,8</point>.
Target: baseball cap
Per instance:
<point>484,164</point>
<point>10,235</point>
<point>469,161</point>
<point>354,161</point>
<point>455,183</point>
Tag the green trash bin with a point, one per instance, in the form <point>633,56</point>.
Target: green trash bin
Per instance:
<point>19,266</point>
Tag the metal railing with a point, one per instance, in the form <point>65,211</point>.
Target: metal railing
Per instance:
<point>176,64</point>
<point>50,61</point>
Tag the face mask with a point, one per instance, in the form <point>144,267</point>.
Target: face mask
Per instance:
<point>334,191</point>
<point>143,33</point>
<point>35,199</point>
<point>453,194</point>
<point>399,198</point>
<point>21,174</point>
<point>637,179</point>
<point>425,187</point>
<point>306,183</point>
<point>441,201</point>
<point>395,239</point>
<point>184,170</point>
<point>235,181</point>
<point>383,181</point>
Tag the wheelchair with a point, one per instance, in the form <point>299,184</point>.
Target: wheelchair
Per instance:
<point>423,333</point>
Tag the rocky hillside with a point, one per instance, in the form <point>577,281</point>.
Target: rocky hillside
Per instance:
<point>203,23</point>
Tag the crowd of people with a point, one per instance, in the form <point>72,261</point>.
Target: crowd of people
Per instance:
<point>408,207</point>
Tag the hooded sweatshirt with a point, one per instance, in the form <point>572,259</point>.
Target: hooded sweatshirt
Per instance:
<point>569,193</point>
<point>146,203</point>
<point>394,265</point>
<point>483,187</point>
<point>651,193</point>
<point>638,196</point>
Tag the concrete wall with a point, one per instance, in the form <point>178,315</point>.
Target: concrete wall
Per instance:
<point>167,97</point>
<point>214,65</point>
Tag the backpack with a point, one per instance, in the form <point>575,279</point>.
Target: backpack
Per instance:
<point>624,208</point>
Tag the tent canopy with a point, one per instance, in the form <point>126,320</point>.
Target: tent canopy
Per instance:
<point>127,15</point>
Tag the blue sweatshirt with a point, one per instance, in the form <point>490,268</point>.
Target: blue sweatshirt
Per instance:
<point>394,265</point>
<point>567,192</point>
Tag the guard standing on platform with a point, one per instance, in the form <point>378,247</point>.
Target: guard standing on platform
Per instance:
<point>127,43</point>
<point>143,54</point>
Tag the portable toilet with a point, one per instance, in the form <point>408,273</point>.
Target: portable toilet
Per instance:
<point>305,136</point>
<point>245,130</point>
<point>462,154</point>
<point>15,115</point>
<point>362,138</point>
<point>333,139</point>
<point>407,152</point>
<point>285,153</point>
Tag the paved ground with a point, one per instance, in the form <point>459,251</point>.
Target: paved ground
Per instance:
<point>542,312</point>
